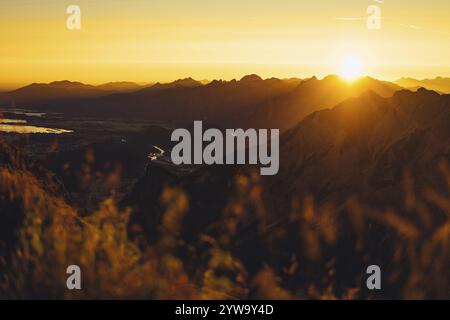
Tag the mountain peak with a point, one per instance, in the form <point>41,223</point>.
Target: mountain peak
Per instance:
<point>251,77</point>
<point>403,93</point>
<point>421,92</point>
<point>332,77</point>
<point>370,94</point>
<point>66,83</point>
<point>120,86</point>
<point>187,82</point>
<point>424,91</point>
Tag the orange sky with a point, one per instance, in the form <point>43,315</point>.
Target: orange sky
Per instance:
<point>148,41</point>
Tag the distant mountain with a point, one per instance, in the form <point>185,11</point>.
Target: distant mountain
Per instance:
<point>438,84</point>
<point>362,146</point>
<point>64,84</point>
<point>37,92</point>
<point>180,83</point>
<point>311,95</point>
<point>248,102</point>
<point>46,92</point>
<point>359,148</point>
<point>295,81</point>
<point>251,78</point>
<point>121,86</point>
<point>217,102</point>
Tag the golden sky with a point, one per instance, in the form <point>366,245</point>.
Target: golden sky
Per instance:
<point>162,40</point>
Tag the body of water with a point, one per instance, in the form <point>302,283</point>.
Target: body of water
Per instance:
<point>21,126</point>
<point>25,129</point>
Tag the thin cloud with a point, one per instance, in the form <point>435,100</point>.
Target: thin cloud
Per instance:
<point>358,18</point>
<point>350,18</point>
<point>410,26</point>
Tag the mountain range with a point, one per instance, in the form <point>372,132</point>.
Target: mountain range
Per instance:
<point>383,152</point>
<point>369,146</point>
<point>364,148</point>
<point>38,92</point>
<point>439,84</point>
<point>248,102</point>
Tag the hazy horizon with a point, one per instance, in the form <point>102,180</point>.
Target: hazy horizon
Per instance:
<point>166,40</point>
<point>14,86</point>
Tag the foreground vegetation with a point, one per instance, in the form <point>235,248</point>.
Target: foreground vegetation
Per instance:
<point>315,251</point>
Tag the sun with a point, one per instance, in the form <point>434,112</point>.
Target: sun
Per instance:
<point>351,68</point>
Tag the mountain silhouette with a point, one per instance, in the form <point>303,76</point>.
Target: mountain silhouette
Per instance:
<point>363,145</point>
<point>311,95</point>
<point>182,100</point>
<point>180,83</point>
<point>248,102</point>
<point>439,84</point>
<point>121,86</point>
<point>360,141</point>
<point>38,92</point>
<point>360,148</point>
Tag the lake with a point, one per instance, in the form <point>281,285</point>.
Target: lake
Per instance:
<point>21,126</point>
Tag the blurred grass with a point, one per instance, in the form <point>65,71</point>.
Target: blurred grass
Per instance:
<point>314,251</point>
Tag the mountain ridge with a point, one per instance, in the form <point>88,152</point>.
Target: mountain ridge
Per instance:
<point>439,84</point>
